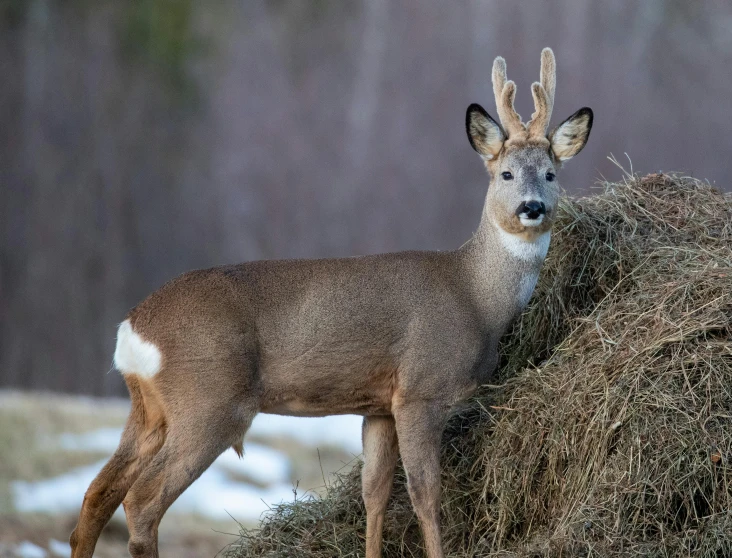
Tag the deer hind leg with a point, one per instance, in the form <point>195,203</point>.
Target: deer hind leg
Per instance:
<point>380,453</point>
<point>419,427</point>
<point>142,437</point>
<point>196,436</point>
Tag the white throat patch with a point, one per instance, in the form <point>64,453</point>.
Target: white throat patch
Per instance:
<point>526,288</point>
<point>133,354</point>
<point>524,249</point>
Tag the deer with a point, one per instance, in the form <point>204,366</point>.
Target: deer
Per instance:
<point>400,338</point>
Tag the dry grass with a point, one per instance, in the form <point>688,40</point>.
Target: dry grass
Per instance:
<point>31,423</point>
<point>29,428</point>
<point>611,434</point>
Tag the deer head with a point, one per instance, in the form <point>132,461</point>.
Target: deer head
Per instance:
<point>523,158</point>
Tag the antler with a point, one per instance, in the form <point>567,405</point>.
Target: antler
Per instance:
<point>543,94</point>
<point>505,93</point>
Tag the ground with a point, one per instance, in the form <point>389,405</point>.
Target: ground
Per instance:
<point>52,446</point>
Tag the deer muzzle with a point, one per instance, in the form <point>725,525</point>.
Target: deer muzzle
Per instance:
<point>531,212</point>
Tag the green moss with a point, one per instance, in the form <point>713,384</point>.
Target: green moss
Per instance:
<point>160,33</point>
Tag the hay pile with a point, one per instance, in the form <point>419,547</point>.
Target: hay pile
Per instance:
<point>611,434</point>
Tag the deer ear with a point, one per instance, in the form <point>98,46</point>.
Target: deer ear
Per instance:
<point>485,134</point>
<point>570,136</point>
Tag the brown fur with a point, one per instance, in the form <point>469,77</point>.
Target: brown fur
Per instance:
<point>399,338</point>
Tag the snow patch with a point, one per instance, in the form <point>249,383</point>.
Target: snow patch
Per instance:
<point>27,549</point>
<point>56,495</point>
<point>59,549</point>
<point>102,440</point>
<point>215,494</point>
<point>260,463</point>
<point>339,430</point>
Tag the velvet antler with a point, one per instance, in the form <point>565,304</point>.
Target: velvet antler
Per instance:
<point>505,93</point>
<point>543,94</point>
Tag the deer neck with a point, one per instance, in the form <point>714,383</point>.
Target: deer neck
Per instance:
<point>502,270</point>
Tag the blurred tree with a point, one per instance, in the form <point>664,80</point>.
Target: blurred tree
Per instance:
<point>140,139</point>
<point>161,33</point>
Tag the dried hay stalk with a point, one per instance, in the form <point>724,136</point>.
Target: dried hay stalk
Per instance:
<point>612,432</point>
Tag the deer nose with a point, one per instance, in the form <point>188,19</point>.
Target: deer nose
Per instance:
<point>531,209</point>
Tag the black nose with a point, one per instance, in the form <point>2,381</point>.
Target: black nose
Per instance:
<point>531,209</point>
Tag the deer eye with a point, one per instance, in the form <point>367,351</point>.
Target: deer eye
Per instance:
<point>506,175</point>
<point>550,176</point>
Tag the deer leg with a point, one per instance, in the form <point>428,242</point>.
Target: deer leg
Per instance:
<point>380,456</point>
<point>138,445</point>
<point>189,449</point>
<point>419,428</point>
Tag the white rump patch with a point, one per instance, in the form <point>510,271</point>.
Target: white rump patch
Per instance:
<point>523,249</point>
<point>133,354</point>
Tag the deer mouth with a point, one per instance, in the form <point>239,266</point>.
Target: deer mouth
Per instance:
<point>530,222</point>
<point>524,228</point>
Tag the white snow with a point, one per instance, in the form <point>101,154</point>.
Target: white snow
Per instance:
<point>57,495</point>
<point>215,494</point>
<point>59,549</point>
<point>27,549</point>
<point>338,430</point>
<point>217,497</point>
<point>260,463</point>
<point>101,440</point>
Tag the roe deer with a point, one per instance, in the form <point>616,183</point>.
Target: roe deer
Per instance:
<point>398,338</point>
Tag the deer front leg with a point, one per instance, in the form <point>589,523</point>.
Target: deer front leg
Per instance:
<point>380,456</point>
<point>419,429</point>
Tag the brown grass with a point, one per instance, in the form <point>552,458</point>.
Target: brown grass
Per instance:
<point>611,431</point>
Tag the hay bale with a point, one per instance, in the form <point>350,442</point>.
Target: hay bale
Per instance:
<point>611,434</point>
